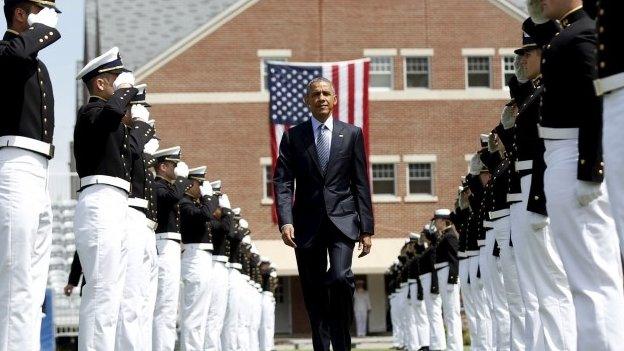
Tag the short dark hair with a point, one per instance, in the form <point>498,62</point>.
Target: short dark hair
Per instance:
<point>9,10</point>
<point>315,81</point>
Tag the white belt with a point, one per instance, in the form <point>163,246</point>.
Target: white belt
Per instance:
<point>481,243</point>
<point>151,224</point>
<point>267,293</point>
<point>488,224</point>
<point>137,202</point>
<point>106,180</point>
<point>411,281</point>
<point>220,258</point>
<point>236,266</point>
<point>21,142</point>
<point>514,197</point>
<point>498,214</point>
<point>200,246</point>
<point>472,253</point>
<point>441,265</point>
<point>558,133</point>
<point>462,254</point>
<point>171,236</point>
<point>524,165</point>
<point>610,83</point>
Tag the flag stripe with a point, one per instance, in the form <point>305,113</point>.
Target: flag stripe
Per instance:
<point>343,95</point>
<point>358,94</point>
<point>336,81</point>
<point>351,72</point>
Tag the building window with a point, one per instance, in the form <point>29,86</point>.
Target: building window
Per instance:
<point>267,176</point>
<point>381,71</point>
<point>478,71</point>
<point>417,72</point>
<point>420,179</point>
<point>384,179</point>
<point>508,69</point>
<point>264,71</point>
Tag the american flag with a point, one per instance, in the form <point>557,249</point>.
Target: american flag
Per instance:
<point>287,88</point>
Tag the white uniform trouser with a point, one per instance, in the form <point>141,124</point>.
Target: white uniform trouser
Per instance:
<point>550,318</point>
<point>150,260</point>
<point>433,304</point>
<point>394,317</point>
<point>244,324</point>
<point>411,332</point>
<point>589,247</point>
<point>267,328</point>
<point>196,268</point>
<point>495,289</point>
<point>502,231</point>
<point>100,228</point>
<point>256,320</point>
<point>361,316</point>
<point>451,308</point>
<point>420,316</point>
<point>483,320</point>
<point>218,306</point>
<point>25,240</point>
<point>404,314</point>
<point>466,293</point>
<point>229,335</point>
<point>613,148</point>
<point>131,327</point>
<point>167,297</point>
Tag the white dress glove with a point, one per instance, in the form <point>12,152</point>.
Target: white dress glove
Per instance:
<point>151,146</point>
<point>520,69</point>
<point>47,16</point>
<point>151,122</point>
<point>139,113</point>
<point>181,170</point>
<point>508,117</point>
<point>224,201</point>
<point>476,165</point>
<point>538,221</point>
<point>124,80</point>
<point>206,189</point>
<point>535,11</point>
<point>586,192</point>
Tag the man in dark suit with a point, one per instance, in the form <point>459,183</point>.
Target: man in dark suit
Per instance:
<point>330,211</point>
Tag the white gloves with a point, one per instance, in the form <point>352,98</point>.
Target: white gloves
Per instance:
<point>139,113</point>
<point>224,201</point>
<point>586,192</point>
<point>535,11</point>
<point>245,225</point>
<point>475,165</point>
<point>47,16</point>
<point>151,122</point>
<point>493,143</point>
<point>151,146</point>
<point>181,170</point>
<point>508,117</point>
<point>205,189</point>
<point>520,68</point>
<point>124,80</point>
<point>538,221</point>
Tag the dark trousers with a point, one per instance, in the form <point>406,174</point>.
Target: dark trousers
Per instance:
<point>328,293</point>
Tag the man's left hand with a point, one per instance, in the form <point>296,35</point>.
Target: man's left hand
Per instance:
<point>366,241</point>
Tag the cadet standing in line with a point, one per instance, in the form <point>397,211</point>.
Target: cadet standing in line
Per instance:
<point>26,133</point>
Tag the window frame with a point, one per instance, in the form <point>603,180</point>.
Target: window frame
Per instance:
<point>405,71</point>
<point>504,71</point>
<point>382,53</point>
<point>393,160</point>
<point>264,163</point>
<point>432,160</point>
<point>467,73</point>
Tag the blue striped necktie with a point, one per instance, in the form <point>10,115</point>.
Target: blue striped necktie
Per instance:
<point>322,146</point>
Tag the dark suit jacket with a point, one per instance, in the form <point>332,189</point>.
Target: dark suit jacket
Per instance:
<point>342,193</point>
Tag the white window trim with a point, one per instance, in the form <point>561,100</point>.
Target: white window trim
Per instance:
<point>380,52</point>
<point>405,57</point>
<point>431,159</point>
<point>263,53</point>
<point>417,52</point>
<point>393,159</point>
<point>506,51</point>
<point>466,73</point>
<point>265,161</point>
<point>478,52</point>
<point>502,60</point>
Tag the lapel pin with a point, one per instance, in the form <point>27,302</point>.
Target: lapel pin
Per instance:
<point>340,135</point>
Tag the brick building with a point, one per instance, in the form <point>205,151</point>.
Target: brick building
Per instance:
<point>437,82</point>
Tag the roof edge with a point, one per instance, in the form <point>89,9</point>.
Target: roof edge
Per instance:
<point>511,10</point>
<point>181,46</point>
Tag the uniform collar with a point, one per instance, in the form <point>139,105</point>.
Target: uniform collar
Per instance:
<point>537,81</point>
<point>94,98</point>
<point>10,34</point>
<point>163,178</point>
<point>329,123</point>
<point>572,16</point>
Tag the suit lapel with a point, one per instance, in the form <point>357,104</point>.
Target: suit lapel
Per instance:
<point>336,142</point>
<point>310,146</point>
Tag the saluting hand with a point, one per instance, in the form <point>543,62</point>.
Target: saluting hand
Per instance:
<point>366,242</point>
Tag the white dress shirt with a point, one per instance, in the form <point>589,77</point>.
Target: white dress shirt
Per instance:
<point>329,123</point>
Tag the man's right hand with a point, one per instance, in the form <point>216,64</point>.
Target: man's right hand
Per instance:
<point>67,290</point>
<point>124,80</point>
<point>47,16</point>
<point>288,235</point>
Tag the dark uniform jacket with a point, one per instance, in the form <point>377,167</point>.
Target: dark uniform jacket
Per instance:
<point>446,251</point>
<point>101,141</point>
<point>569,99</point>
<point>426,265</point>
<point>222,228</point>
<point>476,232</point>
<point>27,100</point>
<point>142,184</point>
<point>195,218</point>
<point>168,196</point>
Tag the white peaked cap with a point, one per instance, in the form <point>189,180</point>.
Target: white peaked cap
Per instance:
<point>414,236</point>
<point>243,223</point>
<point>110,58</point>
<point>237,211</point>
<point>247,240</point>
